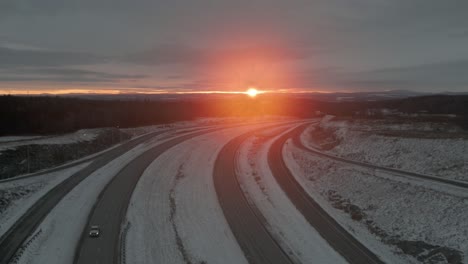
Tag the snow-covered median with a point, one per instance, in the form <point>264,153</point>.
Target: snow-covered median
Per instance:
<point>296,236</point>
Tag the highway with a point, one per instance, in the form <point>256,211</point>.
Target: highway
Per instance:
<point>341,240</point>
<point>110,210</point>
<point>245,220</point>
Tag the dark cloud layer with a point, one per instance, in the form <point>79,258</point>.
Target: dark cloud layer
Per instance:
<point>322,44</point>
<point>19,57</point>
<point>174,54</point>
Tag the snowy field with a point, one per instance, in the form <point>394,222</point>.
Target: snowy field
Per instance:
<point>428,148</point>
<point>412,220</point>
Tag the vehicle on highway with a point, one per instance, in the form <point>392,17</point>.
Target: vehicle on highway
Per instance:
<point>94,231</point>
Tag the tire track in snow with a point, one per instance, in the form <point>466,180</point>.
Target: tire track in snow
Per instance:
<point>173,210</point>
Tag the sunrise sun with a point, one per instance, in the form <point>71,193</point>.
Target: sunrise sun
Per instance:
<point>252,92</point>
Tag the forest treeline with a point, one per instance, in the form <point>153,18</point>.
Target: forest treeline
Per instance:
<point>52,114</point>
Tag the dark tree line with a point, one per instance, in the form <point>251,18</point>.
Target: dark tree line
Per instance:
<point>42,115</point>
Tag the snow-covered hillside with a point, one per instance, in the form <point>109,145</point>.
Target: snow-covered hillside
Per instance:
<point>427,148</point>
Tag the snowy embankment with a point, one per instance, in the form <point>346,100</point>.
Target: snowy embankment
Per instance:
<point>56,238</point>
<point>78,136</point>
<point>28,156</point>
<point>5,139</point>
<point>174,213</point>
<point>290,229</point>
<point>414,222</point>
<point>426,148</point>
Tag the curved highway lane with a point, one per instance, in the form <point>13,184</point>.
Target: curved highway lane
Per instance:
<point>245,220</point>
<point>340,239</point>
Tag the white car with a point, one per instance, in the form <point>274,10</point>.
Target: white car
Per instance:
<point>94,231</point>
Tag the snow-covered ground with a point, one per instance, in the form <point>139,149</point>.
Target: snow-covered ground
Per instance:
<point>175,209</point>
<point>17,138</point>
<point>290,229</point>
<point>400,221</point>
<point>427,148</point>
<point>56,238</point>
<point>80,135</point>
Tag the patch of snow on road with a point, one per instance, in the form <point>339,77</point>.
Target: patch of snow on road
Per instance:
<point>295,235</point>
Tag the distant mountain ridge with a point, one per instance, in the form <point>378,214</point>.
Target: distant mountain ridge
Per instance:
<point>321,96</point>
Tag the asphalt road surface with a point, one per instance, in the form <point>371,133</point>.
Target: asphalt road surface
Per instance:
<point>342,241</point>
<point>245,221</point>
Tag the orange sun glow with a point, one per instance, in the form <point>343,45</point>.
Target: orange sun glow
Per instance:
<point>252,92</point>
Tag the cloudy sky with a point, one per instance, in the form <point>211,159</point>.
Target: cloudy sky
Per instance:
<point>109,46</point>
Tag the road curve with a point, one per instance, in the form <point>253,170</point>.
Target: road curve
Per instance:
<point>110,210</point>
<point>342,241</point>
<point>12,240</point>
<point>463,184</point>
<point>245,220</point>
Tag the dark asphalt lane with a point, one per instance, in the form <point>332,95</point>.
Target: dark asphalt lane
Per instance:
<point>244,219</point>
<point>20,231</point>
<point>342,241</point>
<point>110,210</point>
